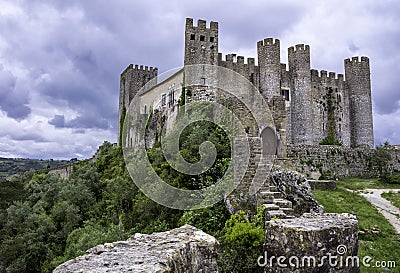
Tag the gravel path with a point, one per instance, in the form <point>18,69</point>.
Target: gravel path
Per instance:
<point>384,206</point>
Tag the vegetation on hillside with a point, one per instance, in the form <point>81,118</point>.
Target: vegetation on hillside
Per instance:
<point>46,220</point>
<point>9,166</point>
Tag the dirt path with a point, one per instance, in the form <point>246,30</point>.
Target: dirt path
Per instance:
<point>384,206</point>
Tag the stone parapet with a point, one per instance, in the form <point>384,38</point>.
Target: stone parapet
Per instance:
<point>181,250</point>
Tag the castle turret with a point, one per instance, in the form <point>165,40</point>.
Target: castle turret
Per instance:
<point>132,80</point>
<point>201,48</point>
<point>301,102</point>
<point>357,73</point>
<point>201,43</point>
<point>269,62</point>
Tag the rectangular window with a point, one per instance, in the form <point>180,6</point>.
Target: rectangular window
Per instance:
<point>192,36</point>
<point>212,39</point>
<point>202,81</point>
<point>163,99</point>
<point>202,38</point>
<point>171,98</point>
<point>285,93</point>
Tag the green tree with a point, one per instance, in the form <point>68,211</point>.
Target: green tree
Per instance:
<point>241,245</point>
<point>380,159</point>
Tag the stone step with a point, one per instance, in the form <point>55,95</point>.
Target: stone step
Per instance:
<point>283,203</point>
<point>288,211</point>
<point>266,193</point>
<point>265,198</point>
<point>270,207</point>
<point>263,188</point>
<point>275,213</point>
<point>273,188</point>
<point>277,194</point>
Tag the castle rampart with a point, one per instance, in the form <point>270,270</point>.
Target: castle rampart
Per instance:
<point>317,104</point>
<point>237,63</point>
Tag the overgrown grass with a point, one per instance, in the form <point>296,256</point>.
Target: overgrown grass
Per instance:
<point>394,198</point>
<point>377,238</point>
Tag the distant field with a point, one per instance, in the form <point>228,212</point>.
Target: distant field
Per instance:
<point>377,237</point>
<point>9,166</point>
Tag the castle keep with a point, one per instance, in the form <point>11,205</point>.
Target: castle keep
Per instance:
<point>308,106</point>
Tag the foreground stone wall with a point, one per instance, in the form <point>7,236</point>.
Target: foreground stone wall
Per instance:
<point>181,250</point>
<point>331,239</point>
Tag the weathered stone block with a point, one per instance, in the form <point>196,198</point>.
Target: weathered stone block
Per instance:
<point>181,250</point>
<point>322,184</point>
<point>312,243</point>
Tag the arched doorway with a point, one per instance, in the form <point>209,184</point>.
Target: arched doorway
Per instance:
<point>269,142</point>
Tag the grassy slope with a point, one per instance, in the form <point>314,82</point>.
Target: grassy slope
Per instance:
<point>384,246</point>
<point>394,198</point>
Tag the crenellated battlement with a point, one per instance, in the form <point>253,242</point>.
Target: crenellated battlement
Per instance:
<point>299,48</point>
<point>145,68</point>
<point>268,42</point>
<point>235,59</point>
<point>356,60</point>
<point>141,68</point>
<point>201,24</point>
<point>323,74</point>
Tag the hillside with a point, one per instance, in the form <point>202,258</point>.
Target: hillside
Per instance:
<point>9,166</point>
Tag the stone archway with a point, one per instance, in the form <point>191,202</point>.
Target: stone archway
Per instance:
<point>269,142</point>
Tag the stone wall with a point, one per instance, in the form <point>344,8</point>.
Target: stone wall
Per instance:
<point>64,171</point>
<point>331,162</point>
<point>181,250</point>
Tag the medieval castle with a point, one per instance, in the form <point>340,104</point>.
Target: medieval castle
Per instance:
<point>308,106</point>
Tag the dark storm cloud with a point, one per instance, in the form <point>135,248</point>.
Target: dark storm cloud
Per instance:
<point>68,55</point>
<point>58,121</point>
<point>86,120</point>
<point>24,136</point>
<point>12,102</point>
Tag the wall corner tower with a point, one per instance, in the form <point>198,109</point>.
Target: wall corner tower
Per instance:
<point>300,87</point>
<point>201,43</point>
<point>131,81</point>
<point>269,62</point>
<point>357,74</point>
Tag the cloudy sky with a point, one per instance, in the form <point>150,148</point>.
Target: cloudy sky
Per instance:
<point>60,61</point>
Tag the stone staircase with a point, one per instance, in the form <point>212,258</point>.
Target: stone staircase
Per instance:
<point>275,205</point>
<point>255,181</point>
<point>269,197</point>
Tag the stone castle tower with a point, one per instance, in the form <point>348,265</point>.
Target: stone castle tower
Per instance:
<point>308,106</point>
